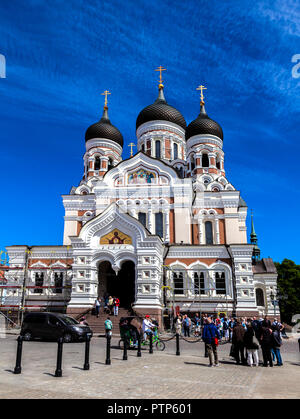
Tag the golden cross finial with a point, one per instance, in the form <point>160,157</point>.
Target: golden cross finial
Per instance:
<point>201,94</point>
<point>160,69</point>
<point>131,145</point>
<point>105,93</point>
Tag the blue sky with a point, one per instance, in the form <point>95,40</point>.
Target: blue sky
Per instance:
<point>61,55</point>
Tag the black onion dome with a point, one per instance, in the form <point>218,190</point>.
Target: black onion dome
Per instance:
<point>160,110</point>
<point>203,125</point>
<point>104,129</point>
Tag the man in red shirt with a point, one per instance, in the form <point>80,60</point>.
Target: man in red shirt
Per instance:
<point>116,306</point>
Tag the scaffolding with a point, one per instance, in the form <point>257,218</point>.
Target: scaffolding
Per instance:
<point>191,296</point>
<point>18,297</point>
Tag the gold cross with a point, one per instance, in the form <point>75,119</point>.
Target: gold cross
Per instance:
<point>160,69</point>
<point>201,94</point>
<point>131,145</point>
<point>105,93</point>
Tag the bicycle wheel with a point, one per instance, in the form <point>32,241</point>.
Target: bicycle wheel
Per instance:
<point>160,346</point>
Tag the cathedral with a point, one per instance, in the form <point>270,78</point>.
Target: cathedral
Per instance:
<point>164,230</point>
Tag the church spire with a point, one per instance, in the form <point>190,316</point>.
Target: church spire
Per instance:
<point>161,96</point>
<point>253,240</point>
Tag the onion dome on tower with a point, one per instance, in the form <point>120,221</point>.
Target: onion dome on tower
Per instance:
<point>160,128</point>
<point>204,140</point>
<point>203,124</point>
<point>104,144</point>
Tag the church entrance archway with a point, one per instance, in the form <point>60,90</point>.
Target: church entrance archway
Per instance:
<point>121,285</point>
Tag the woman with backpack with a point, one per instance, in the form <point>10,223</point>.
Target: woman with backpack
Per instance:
<point>252,345</point>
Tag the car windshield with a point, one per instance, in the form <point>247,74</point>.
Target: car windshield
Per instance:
<point>69,320</point>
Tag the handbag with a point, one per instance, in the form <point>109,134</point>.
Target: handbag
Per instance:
<point>216,341</point>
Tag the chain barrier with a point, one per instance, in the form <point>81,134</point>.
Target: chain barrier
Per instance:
<point>221,342</point>
<point>167,340</point>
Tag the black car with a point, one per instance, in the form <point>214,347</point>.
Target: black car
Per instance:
<point>53,326</point>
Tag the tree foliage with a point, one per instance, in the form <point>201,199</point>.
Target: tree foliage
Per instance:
<point>288,289</point>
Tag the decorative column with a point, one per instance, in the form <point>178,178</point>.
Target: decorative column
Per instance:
<point>167,225</point>
<point>150,221</point>
<point>217,231</point>
<point>201,233</point>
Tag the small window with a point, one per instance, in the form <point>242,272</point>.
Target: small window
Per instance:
<point>97,163</point>
<point>157,149</point>
<point>205,160</point>
<point>259,294</point>
<point>220,283</point>
<point>178,283</point>
<point>39,281</point>
<point>142,218</point>
<point>175,148</point>
<point>199,286</point>
<point>110,163</point>
<point>159,227</point>
<point>192,163</point>
<point>208,232</point>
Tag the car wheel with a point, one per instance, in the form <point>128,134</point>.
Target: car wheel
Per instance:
<point>67,338</point>
<point>27,335</point>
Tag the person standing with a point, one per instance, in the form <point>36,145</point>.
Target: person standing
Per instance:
<point>186,325</point>
<point>210,337</point>
<point>266,343</point>
<point>276,343</point>
<point>108,326</point>
<point>238,342</point>
<point>110,304</point>
<point>252,346</point>
<point>97,306</point>
<point>116,306</point>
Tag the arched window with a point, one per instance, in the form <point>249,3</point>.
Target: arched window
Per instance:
<point>199,285</point>
<point>218,163</point>
<point>58,282</point>
<point>175,151</point>
<point>205,160</point>
<point>178,283</point>
<point>159,226</point>
<point>97,163</point>
<point>157,149</point>
<point>143,148</point>
<point>39,281</point>
<point>220,283</point>
<point>208,232</point>
<point>259,294</point>
<point>142,218</point>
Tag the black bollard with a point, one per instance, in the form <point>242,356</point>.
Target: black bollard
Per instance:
<point>58,371</point>
<point>139,353</point>
<point>299,344</point>
<point>18,368</point>
<point>151,343</point>
<point>86,365</point>
<point>107,361</point>
<point>177,344</point>
<point>125,349</point>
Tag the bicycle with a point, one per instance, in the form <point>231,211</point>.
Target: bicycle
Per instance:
<point>160,345</point>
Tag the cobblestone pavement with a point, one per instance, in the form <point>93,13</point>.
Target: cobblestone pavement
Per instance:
<point>161,375</point>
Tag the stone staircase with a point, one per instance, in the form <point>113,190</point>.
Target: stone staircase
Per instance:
<point>97,323</point>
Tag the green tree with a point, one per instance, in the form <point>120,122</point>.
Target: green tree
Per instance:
<point>288,286</point>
